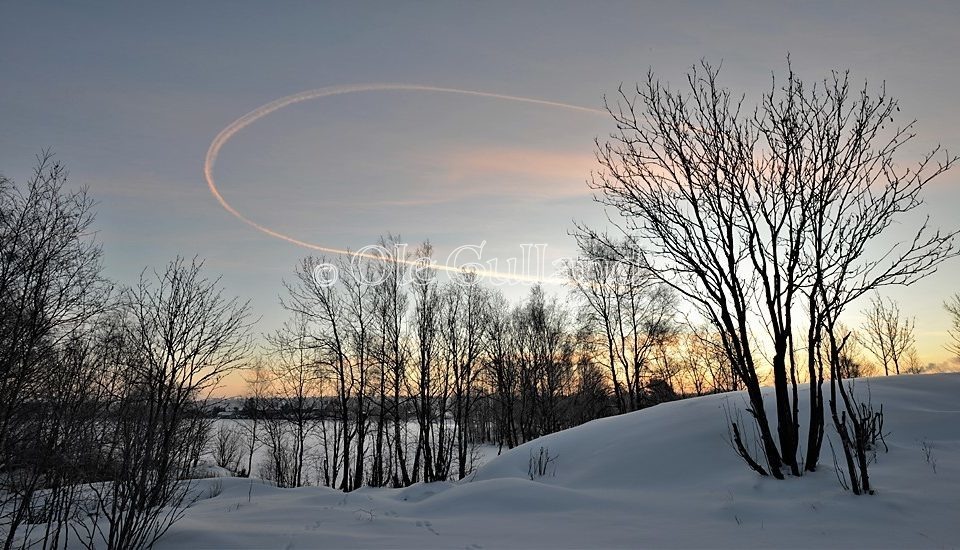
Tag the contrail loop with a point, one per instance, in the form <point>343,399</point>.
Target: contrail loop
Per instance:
<point>227,133</point>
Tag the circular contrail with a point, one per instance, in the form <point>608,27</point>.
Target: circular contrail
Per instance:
<point>227,133</point>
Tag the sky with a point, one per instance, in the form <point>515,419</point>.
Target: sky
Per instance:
<point>130,95</point>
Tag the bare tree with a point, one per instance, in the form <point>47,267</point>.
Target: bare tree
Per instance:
<point>766,214</point>
<point>702,357</point>
<point>463,327</point>
<point>296,380</point>
<point>340,323</point>
<point>953,308</point>
<point>393,353</point>
<point>502,373</point>
<point>258,384</point>
<point>178,335</point>
<point>860,192</point>
<point>324,307</point>
<point>631,312</point>
<point>888,336</point>
<point>722,219</point>
<point>426,387</point>
<point>51,293</point>
<point>544,352</point>
<point>227,447</point>
<point>852,363</point>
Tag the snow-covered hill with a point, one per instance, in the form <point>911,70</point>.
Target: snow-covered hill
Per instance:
<point>662,477</point>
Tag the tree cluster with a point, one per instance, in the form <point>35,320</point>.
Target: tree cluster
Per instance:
<point>101,388</point>
<point>770,221</point>
<point>386,376</point>
<point>387,380</point>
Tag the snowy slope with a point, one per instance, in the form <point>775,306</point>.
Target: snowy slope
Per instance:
<point>662,477</point>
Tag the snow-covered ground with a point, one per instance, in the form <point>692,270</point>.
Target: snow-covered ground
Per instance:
<point>662,477</point>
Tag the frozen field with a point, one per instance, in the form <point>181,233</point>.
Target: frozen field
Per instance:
<point>662,477</point>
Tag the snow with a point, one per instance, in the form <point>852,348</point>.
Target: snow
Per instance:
<point>662,477</point>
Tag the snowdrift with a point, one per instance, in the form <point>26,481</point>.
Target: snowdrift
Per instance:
<point>662,477</point>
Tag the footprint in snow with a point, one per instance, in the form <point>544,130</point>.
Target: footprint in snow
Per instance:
<point>428,526</point>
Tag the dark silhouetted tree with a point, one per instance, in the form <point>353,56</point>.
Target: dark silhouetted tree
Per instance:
<point>764,215</point>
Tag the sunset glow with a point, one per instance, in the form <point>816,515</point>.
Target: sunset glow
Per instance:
<point>498,274</point>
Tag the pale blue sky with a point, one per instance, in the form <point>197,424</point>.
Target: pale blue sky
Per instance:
<point>129,96</point>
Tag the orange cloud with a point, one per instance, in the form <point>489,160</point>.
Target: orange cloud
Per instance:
<point>526,173</point>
